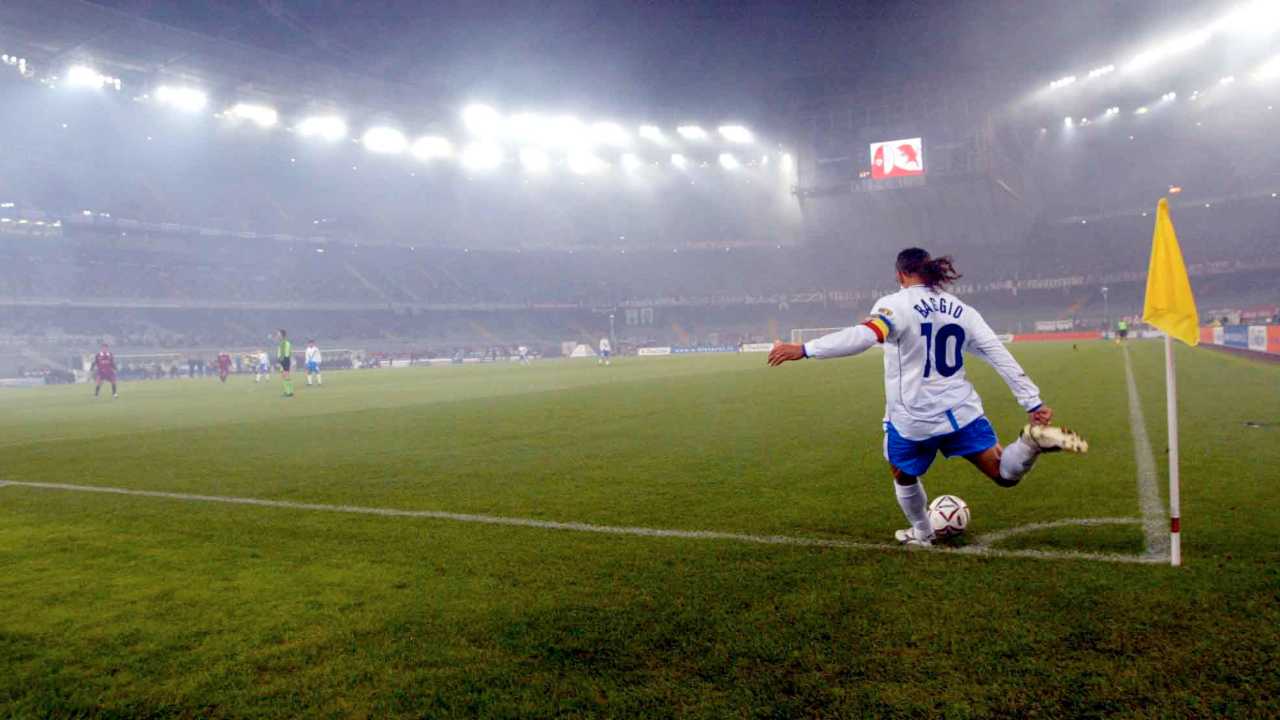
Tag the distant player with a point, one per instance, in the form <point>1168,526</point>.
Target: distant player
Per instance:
<point>523,351</point>
<point>929,404</point>
<point>605,351</point>
<point>264,367</point>
<point>313,363</point>
<point>104,370</point>
<point>284,356</point>
<point>224,366</point>
<point>1122,330</point>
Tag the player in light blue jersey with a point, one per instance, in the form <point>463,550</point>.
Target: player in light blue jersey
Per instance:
<point>929,403</point>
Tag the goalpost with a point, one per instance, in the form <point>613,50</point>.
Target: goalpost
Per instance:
<point>802,335</point>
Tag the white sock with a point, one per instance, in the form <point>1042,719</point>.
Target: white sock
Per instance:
<point>308,379</point>
<point>915,505</point>
<point>1017,460</point>
<point>319,379</point>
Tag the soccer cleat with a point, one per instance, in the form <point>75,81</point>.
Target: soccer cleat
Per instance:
<point>908,537</point>
<point>1049,438</point>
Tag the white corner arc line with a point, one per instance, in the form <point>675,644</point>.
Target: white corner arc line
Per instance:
<point>988,539</point>
<point>589,527</point>
<point>1155,523</point>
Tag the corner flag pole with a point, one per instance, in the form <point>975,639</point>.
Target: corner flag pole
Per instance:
<point>1170,306</point>
<point>1175,511</point>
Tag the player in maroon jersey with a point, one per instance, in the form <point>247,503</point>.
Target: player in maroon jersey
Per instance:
<point>224,366</point>
<point>104,369</point>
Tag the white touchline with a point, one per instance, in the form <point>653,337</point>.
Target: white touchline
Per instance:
<point>1155,524</point>
<point>983,551</point>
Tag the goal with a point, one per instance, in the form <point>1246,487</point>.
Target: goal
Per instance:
<point>801,335</point>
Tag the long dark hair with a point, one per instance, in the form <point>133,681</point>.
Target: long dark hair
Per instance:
<point>935,272</point>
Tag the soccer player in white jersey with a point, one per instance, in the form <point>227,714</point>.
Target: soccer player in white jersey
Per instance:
<point>929,404</point>
<point>523,351</point>
<point>605,351</point>
<point>313,363</point>
<point>264,367</point>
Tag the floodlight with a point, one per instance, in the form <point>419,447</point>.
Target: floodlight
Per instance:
<point>481,120</point>
<point>631,163</point>
<point>261,115</point>
<point>729,162</point>
<point>1180,44</point>
<point>1144,60</point>
<point>583,162</point>
<point>182,98</point>
<point>1169,96</point>
<point>564,130</point>
<point>1269,71</point>
<point>735,133</point>
<point>1100,71</point>
<point>481,156</point>
<point>1068,121</point>
<point>527,127</point>
<point>1190,41</point>
<point>1141,111</point>
<point>535,160</point>
<point>325,127</point>
<point>652,133</point>
<point>1227,80</point>
<point>692,132</point>
<point>384,140</point>
<point>1111,111</point>
<point>1260,16</point>
<point>787,162</point>
<point>1062,82</point>
<point>609,133</point>
<point>679,161</point>
<point>82,76</point>
<point>431,147</point>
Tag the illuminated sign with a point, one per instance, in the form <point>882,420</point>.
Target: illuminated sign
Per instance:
<point>897,158</point>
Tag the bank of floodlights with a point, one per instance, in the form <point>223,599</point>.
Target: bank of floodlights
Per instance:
<point>184,99</point>
<point>260,115</point>
<point>384,141</point>
<point>323,127</point>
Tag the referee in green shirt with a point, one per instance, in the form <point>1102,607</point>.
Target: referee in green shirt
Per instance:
<point>284,355</point>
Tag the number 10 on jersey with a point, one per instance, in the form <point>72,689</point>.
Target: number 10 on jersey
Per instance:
<point>938,354</point>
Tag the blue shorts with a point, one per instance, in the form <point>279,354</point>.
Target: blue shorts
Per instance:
<point>313,367</point>
<point>604,353</point>
<point>914,457</point>
<point>263,368</point>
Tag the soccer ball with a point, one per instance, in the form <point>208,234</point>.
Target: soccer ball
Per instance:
<point>949,516</point>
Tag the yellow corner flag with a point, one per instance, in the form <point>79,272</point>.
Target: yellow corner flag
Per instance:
<point>1169,305</point>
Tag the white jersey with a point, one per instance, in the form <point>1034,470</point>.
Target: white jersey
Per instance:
<point>263,360</point>
<point>313,354</point>
<point>925,334</point>
<point>604,345</point>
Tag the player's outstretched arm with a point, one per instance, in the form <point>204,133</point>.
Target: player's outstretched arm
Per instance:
<point>785,352</point>
<point>984,343</point>
<point>841,343</point>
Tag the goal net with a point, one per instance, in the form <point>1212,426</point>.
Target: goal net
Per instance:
<point>802,335</point>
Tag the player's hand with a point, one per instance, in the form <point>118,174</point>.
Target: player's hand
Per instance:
<point>1041,416</point>
<point>785,352</point>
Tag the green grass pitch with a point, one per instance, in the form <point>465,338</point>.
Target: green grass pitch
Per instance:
<point>129,606</point>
